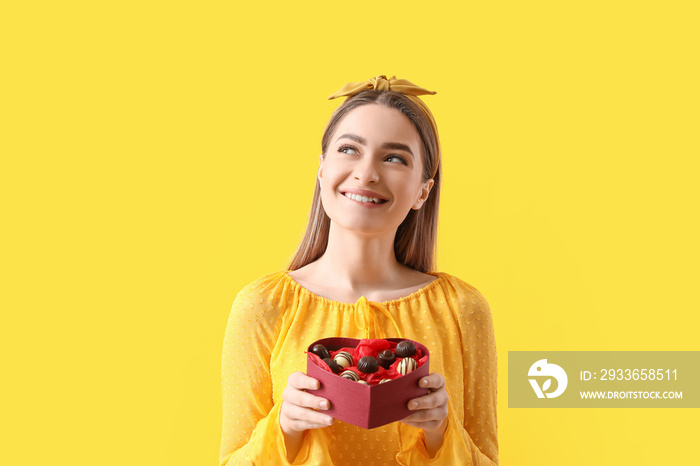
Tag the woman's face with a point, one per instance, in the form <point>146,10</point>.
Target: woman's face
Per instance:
<point>374,152</point>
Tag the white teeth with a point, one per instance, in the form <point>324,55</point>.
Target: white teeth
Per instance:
<point>355,197</point>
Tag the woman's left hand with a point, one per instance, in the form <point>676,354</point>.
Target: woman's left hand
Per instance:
<point>430,410</point>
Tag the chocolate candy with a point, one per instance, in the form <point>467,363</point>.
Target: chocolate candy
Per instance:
<point>406,365</point>
<point>385,380</point>
<point>332,364</point>
<point>363,382</point>
<point>386,358</point>
<point>368,365</point>
<point>344,359</point>
<point>352,375</point>
<point>321,351</point>
<point>405,349</point>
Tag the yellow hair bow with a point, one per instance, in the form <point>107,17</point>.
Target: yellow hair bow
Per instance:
<point>402,86</point>
<point>381,83</point>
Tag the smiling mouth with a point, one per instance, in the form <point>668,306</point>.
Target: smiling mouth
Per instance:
<point>355,197</point>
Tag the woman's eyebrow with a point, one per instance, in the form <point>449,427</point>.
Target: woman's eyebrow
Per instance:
<point>386,145</point>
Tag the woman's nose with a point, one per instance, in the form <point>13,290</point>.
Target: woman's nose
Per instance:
<point>366,171</point>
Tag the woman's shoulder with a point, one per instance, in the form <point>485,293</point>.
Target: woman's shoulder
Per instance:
<point>470,308</point>
<point>259,302</point>
<point>464,292</point>
<point>262,287</point>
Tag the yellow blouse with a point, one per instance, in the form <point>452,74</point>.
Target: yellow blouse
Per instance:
<point>274,319</point>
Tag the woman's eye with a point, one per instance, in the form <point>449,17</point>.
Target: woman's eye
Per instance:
<point>400,159</point>
<point>345,150</point>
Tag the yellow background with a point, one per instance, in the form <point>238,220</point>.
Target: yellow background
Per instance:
<point>157,156</point>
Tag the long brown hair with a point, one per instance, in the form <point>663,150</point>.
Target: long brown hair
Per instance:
<point>416,237</point>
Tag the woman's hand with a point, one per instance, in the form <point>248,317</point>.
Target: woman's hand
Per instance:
<point>298,411</point>
<point>430,411</point>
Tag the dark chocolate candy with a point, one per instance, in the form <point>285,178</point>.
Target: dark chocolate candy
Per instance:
<point>332,364</point>
<point>386,358</point>
<point>405,349</point>
<point>321,351</point>
<point>368,365</point>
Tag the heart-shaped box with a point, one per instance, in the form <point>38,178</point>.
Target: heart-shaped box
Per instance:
<point>366,406</point>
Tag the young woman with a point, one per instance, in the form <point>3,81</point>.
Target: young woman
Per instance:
<point>364,269</point>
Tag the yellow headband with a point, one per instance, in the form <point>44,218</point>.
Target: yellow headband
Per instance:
<point>402,86</point>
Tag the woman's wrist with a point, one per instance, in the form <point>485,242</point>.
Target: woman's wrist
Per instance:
<point>292,443</point>
<point>435,438</point>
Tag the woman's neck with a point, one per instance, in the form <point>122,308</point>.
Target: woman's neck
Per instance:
<point>361,262</point>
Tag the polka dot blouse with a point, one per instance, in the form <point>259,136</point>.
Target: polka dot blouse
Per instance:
<point>274,319</point>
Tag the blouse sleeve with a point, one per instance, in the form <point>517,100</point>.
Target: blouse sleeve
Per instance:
<point>251,434</point>
<point>474,442</point>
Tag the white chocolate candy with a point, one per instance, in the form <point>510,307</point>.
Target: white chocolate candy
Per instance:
<point>344,359</point>
<point>352,375</point>
<point>407,365</point>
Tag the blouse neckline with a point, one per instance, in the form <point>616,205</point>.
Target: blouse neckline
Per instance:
<point>440,277</point>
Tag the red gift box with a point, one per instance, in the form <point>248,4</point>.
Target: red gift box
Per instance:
<point>366,406</point>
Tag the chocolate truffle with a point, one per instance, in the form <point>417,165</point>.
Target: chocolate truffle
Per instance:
<point>363,382</point>
<point>332,364</point>
<point>385,380</point>
<point>352,375</point>
<point>321,351</point>
<point>368,365</point>
<point>405,349</point>
<point>344,359</point>
<point>386,358</point>
<point>407,365</point>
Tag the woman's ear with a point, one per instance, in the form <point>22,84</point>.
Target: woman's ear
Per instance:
<point>320,166</point>
<point>423,195</point>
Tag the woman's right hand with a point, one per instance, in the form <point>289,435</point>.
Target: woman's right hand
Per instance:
<point>298,411</point>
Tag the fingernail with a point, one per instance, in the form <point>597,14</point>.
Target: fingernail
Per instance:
<point>329,421</point>
<point>414,405</point>
<point>324,404</point>
<point>424,382</point>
